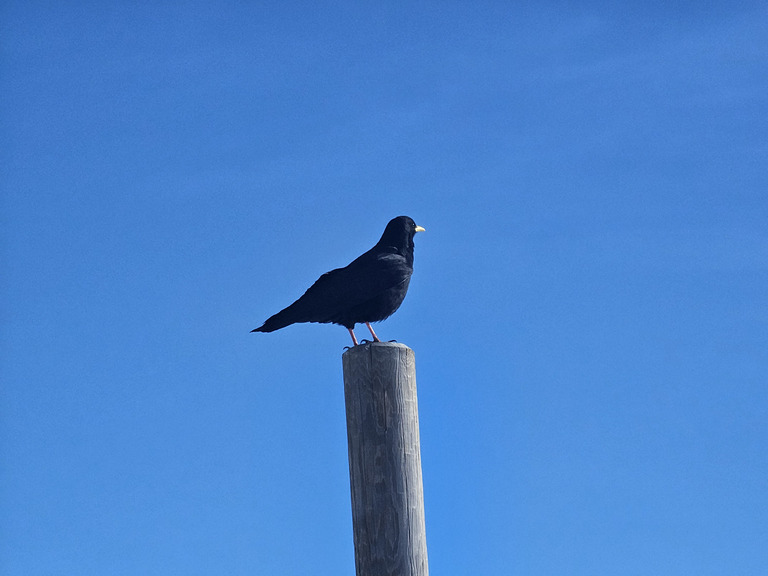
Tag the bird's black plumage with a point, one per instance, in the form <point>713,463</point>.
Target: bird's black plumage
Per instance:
<point>369,289</point>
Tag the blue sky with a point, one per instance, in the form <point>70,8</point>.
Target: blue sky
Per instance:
<point>588,308</point>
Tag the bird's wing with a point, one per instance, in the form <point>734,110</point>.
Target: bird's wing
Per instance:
<point>345,288</point>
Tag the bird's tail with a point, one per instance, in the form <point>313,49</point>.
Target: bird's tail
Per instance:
<point>279,320</point>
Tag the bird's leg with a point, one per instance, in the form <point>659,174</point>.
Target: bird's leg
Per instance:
<point>375,338</point>
<point>351,333</point>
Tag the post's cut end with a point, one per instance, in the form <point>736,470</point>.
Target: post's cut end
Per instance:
<point>373,347</point>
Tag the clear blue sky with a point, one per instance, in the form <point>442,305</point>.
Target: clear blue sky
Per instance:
<point>589,306</point>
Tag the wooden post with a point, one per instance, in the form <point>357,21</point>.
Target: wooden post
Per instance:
<point>385,460</point>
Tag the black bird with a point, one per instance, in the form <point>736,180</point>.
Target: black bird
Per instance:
<point>368,290</point>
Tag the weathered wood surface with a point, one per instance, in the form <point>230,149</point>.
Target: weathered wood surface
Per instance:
<point>385,460</point>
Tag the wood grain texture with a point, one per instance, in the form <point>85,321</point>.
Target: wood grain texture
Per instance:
<point>385,460</point>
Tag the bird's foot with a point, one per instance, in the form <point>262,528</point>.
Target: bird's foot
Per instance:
<point>392,341</point>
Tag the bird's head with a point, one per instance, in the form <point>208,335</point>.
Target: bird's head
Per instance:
<point>399,234</point>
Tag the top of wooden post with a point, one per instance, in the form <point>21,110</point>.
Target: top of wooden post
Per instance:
<point>369,347</point>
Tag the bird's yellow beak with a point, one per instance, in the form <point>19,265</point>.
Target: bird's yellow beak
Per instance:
<point>420,229</point>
